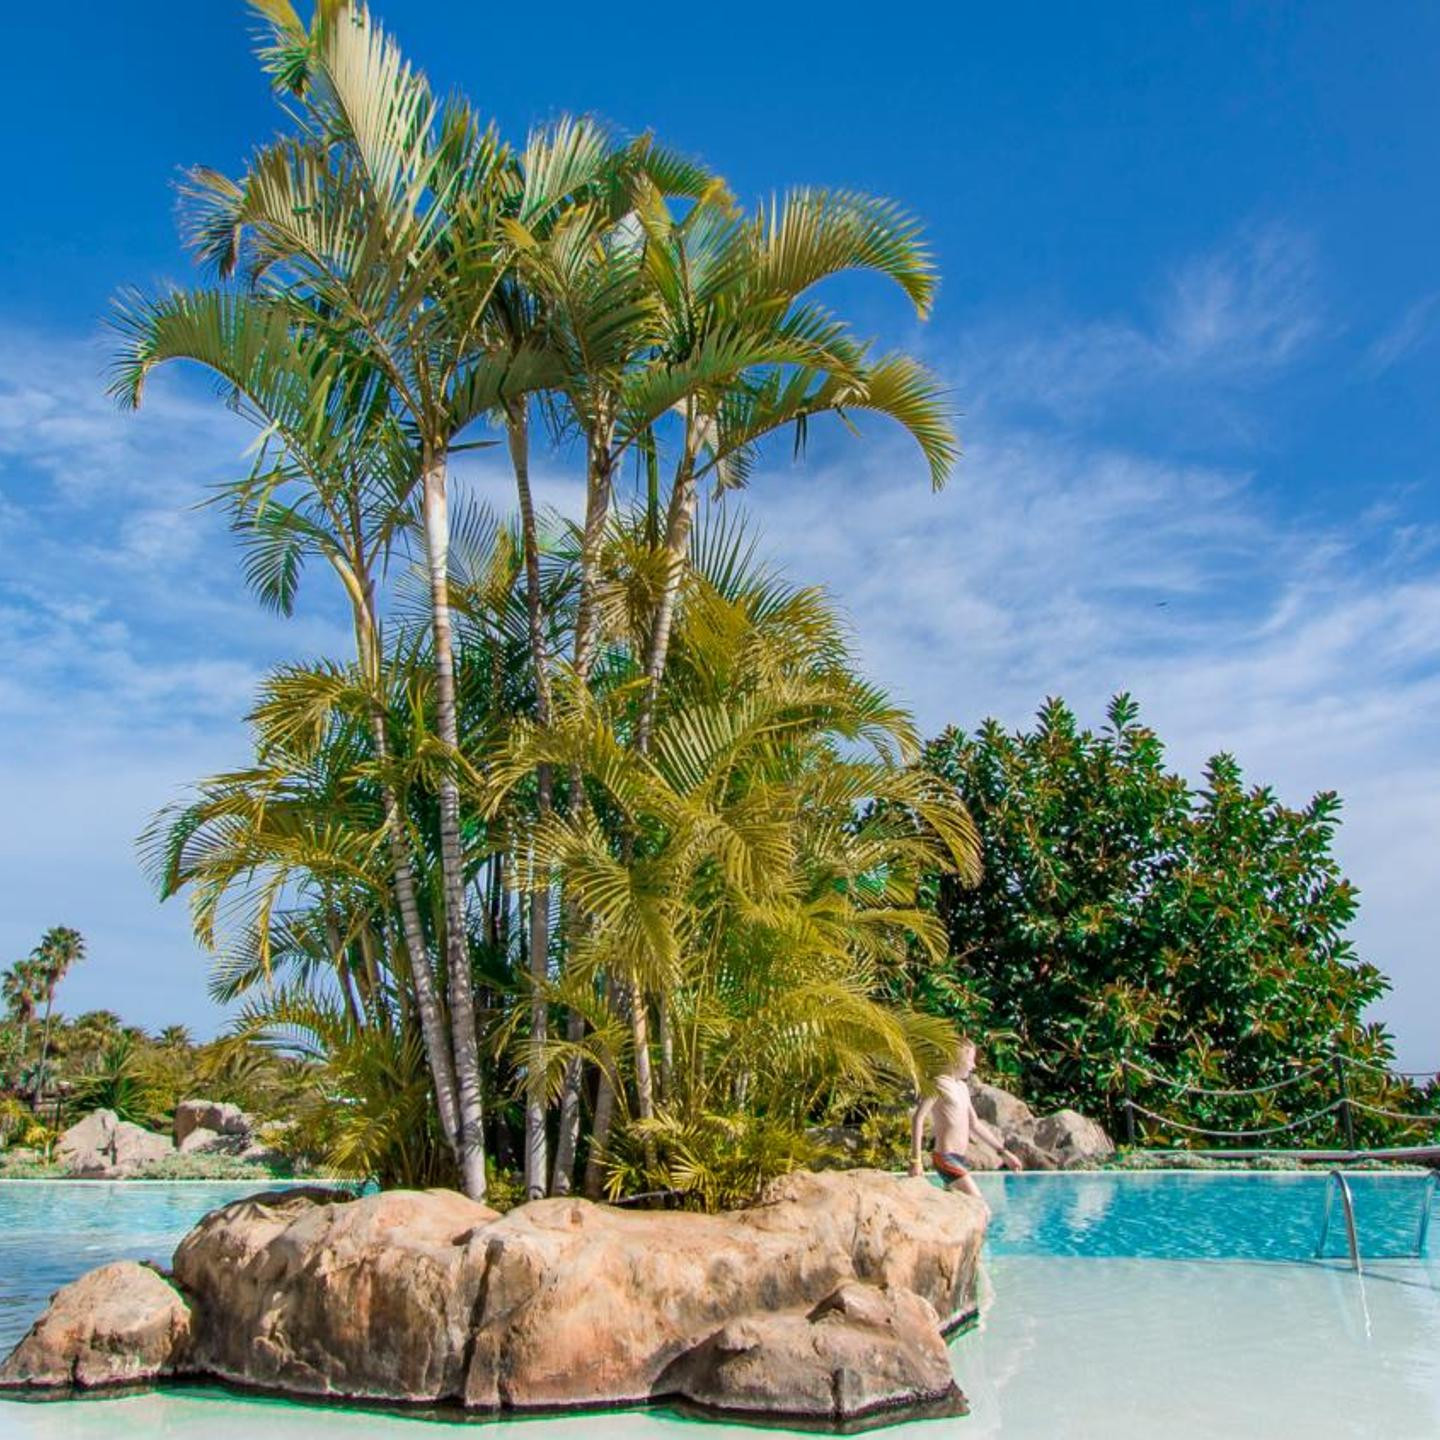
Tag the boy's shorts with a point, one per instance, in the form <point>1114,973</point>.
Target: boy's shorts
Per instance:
<point>950,1165</point>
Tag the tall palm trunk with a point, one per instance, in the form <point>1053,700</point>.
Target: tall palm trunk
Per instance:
<point>679,519</point>
<point>465,1042</point>
<point>587,630</point>
<point>535,1139</point>
<point>44,1043</point>
<point>402,877</point>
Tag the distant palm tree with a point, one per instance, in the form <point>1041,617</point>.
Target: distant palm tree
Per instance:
<point>59,949</point>
<point>21,987</point>
<point>175,1037</point>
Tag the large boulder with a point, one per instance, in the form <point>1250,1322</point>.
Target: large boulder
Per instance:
<point>589,1305</point>
<point>104,1147</point>
<point>204,1141</point>
<point>85,1148</point>
<point>563,1303</point>
<point>863,1350</point>
<point>1009,1114</point>
<point>134,1147</point>
<point>294,1288</point>
<point>122,1324</point>
<point>1073,1139</point>
<point>220,1118</point>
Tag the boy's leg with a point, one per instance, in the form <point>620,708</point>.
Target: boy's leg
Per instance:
<point>957,1177</point>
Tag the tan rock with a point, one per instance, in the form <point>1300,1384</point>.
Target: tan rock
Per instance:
<point>982,1155</point>
<point>428,1297</point>
<point>122,1324</point>
<point>1029,1154</point>
<point>102,1146</point>
<point>590,1304</point>
<point>1072,1138</point>
<point>317,1293</point>
<point>1008,1113</point>
<point>134,1147</point>
<point>217,1116</point>
<point>861,1351</point>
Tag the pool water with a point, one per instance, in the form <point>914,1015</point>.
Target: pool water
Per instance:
<point>1114,1306</point>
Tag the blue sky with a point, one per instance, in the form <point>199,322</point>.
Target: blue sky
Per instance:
<point>1190,313</point>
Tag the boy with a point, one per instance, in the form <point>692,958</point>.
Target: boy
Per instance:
<point>954,1121</point>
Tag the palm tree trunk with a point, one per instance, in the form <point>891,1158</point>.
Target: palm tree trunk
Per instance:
<point>402,876</point>
<point>644,1072</point>
<point>44,1045</point>
<point>678,522</point>
<point>599,1134</point>
<point>535,1143</point>
<point>464,1040</point>
<point>567,1139</point>
<point>597,512</point>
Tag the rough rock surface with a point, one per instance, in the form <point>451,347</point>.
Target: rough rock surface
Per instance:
<point>204,1141</point>
<point>1072,1138</point>
<point>1008,1113</point>
<point>317,1293</point>
<point>1029,1154</point>
<point>121,1324</point>
<point>588,1304</point>
<point>827,1300</point>
<point>104,1147</point>
<point>1051,1142</point>
<point>217,1117</point>
<point>862,1350</point>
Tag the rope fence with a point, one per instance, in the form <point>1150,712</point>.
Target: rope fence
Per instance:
<point>1345,1105</point>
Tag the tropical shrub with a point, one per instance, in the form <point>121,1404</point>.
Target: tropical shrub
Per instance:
<point>394,279</point>
<point>1124,914</point>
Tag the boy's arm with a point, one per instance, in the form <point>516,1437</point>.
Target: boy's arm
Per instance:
<point>917,1135</point>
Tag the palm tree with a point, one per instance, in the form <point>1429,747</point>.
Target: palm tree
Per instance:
<point>21,986</point>
<point>59,949</point>
<point>756,907</point>
<point>332,480</point>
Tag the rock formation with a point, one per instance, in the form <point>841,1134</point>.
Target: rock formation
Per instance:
<point>104,1147</point>
<point>118,1325</point>
<point>1051,1142</point>
<point>827,1301</point>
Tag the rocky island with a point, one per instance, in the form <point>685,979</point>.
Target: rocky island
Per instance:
<point>827,1302</point>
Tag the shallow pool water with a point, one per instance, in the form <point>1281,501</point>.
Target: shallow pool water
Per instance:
<point>1116,1306</point>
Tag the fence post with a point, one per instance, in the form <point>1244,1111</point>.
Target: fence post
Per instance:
<point>1129,1105</point>
<point>1347,1116</point>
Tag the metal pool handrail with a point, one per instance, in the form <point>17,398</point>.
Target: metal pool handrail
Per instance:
<point>1337,1181</point>
<point>1422,1234</point>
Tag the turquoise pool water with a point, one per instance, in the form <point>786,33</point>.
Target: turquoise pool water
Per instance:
<point>1121,1306</point>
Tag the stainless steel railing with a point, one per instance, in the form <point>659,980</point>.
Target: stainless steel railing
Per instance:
<point>1338,1182</point>
<point>1422,1233</point>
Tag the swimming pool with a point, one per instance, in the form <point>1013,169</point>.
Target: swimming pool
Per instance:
<point>1116,1306</point>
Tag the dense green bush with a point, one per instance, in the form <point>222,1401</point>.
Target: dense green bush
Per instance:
<point>1122,913</point>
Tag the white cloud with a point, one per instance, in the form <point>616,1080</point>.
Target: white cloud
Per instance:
<point>1412,330</point>
<point>1221,321</point>
<point>1055,566</point>
<point>1059,562</point>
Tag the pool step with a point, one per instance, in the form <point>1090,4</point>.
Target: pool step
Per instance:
<point>1338,1184</point>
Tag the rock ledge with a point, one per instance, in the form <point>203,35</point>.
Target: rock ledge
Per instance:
<point>825,1303</point>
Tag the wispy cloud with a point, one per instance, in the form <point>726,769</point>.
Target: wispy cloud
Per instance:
<point>1220,320</point>
<point>1071,556</point>
<point>1413,329</point>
